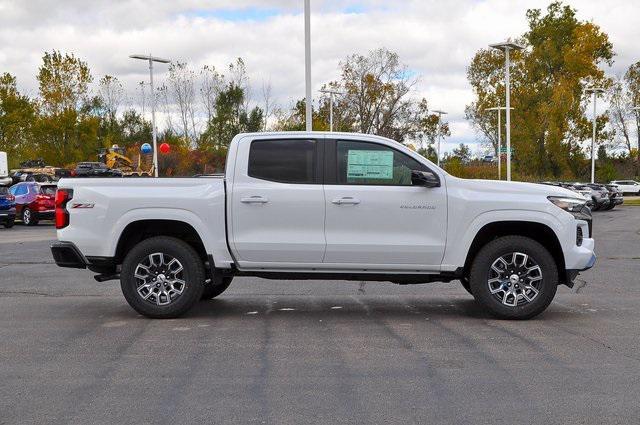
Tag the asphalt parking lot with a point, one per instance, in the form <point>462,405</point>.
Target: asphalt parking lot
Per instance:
<point>72,351</point>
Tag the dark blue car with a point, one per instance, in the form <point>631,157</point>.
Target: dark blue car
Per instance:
<point>7,207</point>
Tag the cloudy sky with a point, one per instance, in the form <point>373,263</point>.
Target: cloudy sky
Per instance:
<point>435,38</point>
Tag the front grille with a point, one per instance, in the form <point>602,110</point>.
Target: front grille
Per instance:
<point>579,236</point>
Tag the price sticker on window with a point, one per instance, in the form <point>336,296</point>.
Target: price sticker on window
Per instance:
<point>363,164</point>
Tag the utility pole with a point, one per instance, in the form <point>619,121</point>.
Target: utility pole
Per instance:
<point>307,64</point>
<point>151,60</point>
<point>331,93</point>
<point>595,91</point>
<point>506,47</point>
<point>499,109</point>
<point>440,113</point>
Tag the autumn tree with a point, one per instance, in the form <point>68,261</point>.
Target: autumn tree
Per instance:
<point>67,130</point>
<point>17,117</point>
<point>561,56</point>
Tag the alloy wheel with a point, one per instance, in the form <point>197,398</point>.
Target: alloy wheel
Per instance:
<point>515,279</point>
<point>159,278</point>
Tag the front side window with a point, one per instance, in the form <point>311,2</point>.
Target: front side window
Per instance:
<point>374,164</point>
<point>283,161</point>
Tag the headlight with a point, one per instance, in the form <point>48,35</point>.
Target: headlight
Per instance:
<point>572,205</point>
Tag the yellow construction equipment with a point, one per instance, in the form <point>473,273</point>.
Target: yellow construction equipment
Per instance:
<point>115,157</point>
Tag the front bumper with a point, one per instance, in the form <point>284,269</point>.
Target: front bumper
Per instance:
<point>617,200</point>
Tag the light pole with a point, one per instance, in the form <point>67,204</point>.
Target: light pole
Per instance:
<point>151,60</point>
<point>307,64</point>
<point>440,113</point>
<point>330,93</point>
<point>506,47</point>
<point>499,109</point>
<point>595,91</point>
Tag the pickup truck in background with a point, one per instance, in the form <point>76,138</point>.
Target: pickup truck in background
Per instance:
<point>312,205</point>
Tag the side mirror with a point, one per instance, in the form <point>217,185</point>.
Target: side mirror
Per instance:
<point>424,178</point>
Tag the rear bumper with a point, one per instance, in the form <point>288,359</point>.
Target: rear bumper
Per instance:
<point>66,254</point>
<point>7,215</point>
<point>46,214</point>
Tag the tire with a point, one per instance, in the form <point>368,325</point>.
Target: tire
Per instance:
<point>466,284</point>
<point>212,290</point>
<point>9,223</point>
<point>154,259</point>
<point>596,205</point>
<point>609,207</point>
<point>526,303</point>
<point>29,217</point>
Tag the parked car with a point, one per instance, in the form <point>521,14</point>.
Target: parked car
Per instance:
<point>599,195</point>
<point>615,195</point>
<point>95,169</point>
<point>488,158</point>
<point>302,205</point>
<point>34,201</point>
<point>586,194</point>
<point>627,187</point>
<point>7,207</point>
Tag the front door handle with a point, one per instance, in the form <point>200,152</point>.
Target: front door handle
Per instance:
<point>347,200</point>
<point>254,200</point>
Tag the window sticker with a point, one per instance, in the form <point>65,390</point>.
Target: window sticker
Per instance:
<point>370,164</point>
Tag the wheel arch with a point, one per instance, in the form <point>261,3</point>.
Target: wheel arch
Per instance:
<point>539,232</point>
<point>140,230</point>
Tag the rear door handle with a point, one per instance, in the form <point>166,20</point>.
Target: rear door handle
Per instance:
<point>347,200</point>
<point>254,200</point>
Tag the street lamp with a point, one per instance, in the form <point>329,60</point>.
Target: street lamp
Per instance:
<point>499,108</point>
<point>151,60</point>
<point>330,93</point>
<point>595,91</point>
<point>506,47</point>
<point>307,64</point>
<point>440,113</point>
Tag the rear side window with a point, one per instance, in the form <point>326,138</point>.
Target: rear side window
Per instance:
<point>283,161</point>
<point>364,163</point>
<point>48,190</point>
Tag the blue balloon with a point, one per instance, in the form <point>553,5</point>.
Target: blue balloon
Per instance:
<point>145,148</point>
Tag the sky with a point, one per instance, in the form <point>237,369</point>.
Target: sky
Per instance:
<point>435,38</point>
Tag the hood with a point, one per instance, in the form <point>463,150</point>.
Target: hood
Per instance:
<point>498,186</point>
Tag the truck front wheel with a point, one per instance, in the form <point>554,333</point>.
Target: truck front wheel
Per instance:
<point>162,277</point>
<point>514,277</point>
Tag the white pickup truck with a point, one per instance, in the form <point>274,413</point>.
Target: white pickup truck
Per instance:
<point>323,206</point>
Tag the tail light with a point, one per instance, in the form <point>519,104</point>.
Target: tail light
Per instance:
<point>11,198</point>
<point>63,196</point>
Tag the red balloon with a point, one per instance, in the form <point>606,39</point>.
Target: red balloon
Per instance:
<point>165,148</point>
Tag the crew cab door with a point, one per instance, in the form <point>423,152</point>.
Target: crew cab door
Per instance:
<point>376,218</point>
<point>277,203</point>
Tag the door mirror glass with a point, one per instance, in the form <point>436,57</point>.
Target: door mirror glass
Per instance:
<point>424,178</point>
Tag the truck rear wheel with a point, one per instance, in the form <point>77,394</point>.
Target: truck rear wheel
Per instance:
<point>162,277</point>
<point>514,277</point>
<point>213,289</point>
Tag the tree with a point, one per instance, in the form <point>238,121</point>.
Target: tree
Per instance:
<point>548,79</point>
<point>376,89</point>
<point>463,152</point>
<point>181,84</point>
<point>230,118</point>
<point>67,129</point>
<point>17,116</point>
